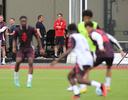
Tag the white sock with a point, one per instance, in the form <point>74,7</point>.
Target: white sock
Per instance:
<point>82,86</point>
<point>55,54</point>
<point>3,60</point>
<point>30,77</point>
<point>95,84</point>
<point>16,75</point>
<point>108,81</point>
<point>75,79</point>
<point>75,89</point>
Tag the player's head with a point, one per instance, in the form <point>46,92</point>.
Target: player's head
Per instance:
<point>1,18</point>
<point>12,21</point>
<point>72,28</point>
<point>89,26</point>
<point>40,18</point>
<point>59,15</point>
<point>23,21</point>
<point>87,15</point>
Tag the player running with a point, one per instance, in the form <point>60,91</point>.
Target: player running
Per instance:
<point>87,16</point>
<point>104,50</point>
<point>26,50</point>
<point>79,44</point>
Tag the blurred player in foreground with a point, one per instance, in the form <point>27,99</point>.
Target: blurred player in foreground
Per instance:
<point>104,50</point>
<point>87,16</point>
<point>26,50</point>
<point>79,44</point>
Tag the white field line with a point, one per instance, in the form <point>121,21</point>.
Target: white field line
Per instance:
<point>34,78</point>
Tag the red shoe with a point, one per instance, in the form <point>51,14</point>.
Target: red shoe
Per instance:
<point>104,91</point>
<point>76,97</point>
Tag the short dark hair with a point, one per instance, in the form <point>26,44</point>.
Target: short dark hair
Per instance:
<point>72,27</point>
<point>13,19</point>
<point>40,16</point>
<point>60,14</point>
<point>23,17</point>
<point>89,24</point>
<point>87,13</point>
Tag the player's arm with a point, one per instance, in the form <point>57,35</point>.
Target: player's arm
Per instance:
<point>63,56</point>
<point>14,42</point>
<point>55,26</point>
<point>114,41</point>
<point>3,29</point>
<point>6,32</point>
<point>13,31</point>
<point>39,42</point>
<point>71,45</point>
<point>38,31</point>
<point>98,38</point>
<point>63,26</point>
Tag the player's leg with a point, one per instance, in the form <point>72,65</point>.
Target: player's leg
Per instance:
<point>3,54</point>
<point>57,39</point>
<point>79,75</point>
<point>71,76</point>
<point>62,41</point>
<point>30,75</point>
<point>108,72</point>
<point>16,72</point>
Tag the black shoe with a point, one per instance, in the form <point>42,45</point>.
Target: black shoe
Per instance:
<point>54,57</point>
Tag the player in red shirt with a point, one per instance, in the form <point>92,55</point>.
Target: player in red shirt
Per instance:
<point>59,26</point>
<point>26,49</point>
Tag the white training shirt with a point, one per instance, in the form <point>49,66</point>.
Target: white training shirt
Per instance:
<point>82,50</point>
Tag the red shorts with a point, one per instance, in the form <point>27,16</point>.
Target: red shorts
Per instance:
<point>78,70</point>
<point>26,53</point>
<point>3,43</point>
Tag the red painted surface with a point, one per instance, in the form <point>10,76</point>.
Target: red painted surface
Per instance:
<point>57,67</point>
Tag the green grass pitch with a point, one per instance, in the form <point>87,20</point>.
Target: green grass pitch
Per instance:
<point>51,84</point>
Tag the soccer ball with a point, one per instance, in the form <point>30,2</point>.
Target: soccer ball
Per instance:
<point>99,92</point>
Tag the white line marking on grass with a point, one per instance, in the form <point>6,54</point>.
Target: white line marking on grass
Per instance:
<point>33,78</point>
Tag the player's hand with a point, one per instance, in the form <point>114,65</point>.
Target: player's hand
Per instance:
<point>40,36</point>
<point>122,53</point>
<point>14,50</point>
<point>7,34</point>
<point>103,50</point>
<point>42,51</point>
<point>59,27</point>
<point>53,63</point>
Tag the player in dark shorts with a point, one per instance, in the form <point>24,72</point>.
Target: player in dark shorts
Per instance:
<point>26,50</point>
<point>103,41</point>
<point>79,44</point>
<point>3,31</point>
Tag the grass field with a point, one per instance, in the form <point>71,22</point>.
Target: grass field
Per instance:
<point>51,84</point>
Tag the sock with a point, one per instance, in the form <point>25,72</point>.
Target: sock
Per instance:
<point>75,90</point>
<point>108,81</point>
<point>55,54</point>
<point>30,77</point>
<point>82,86</point>
<point>3,59</point>
<point>95,84</point>
<point>75,79</point>
<point>16,75</point>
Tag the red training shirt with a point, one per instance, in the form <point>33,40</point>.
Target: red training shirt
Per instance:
<point>62,24</point>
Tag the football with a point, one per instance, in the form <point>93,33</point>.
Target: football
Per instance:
<point>98,92</point>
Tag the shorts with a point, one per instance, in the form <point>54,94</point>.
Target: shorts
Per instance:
<point>78,70</point>
<point>108,61</point>
<point>26,53</point>
<point>60,39</point>
<point>3,43</point>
